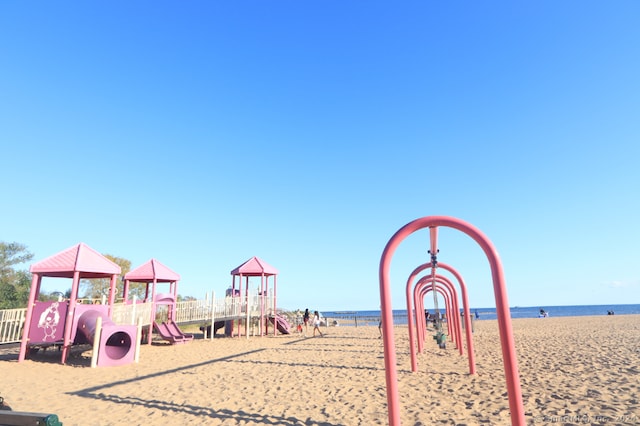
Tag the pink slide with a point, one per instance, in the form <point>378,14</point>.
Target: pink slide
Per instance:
<point>175,330</point>
<point>170,332</point>
<point>283,325</point>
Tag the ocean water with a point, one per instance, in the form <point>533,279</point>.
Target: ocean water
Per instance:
<point>516,312</point>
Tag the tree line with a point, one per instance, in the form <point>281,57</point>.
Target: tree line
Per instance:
<point>15,283</point>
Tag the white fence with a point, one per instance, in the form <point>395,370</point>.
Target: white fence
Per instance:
<point>210,310</point>
<point>130,314</point>
<point>192,311</point>
<point>11,321</point>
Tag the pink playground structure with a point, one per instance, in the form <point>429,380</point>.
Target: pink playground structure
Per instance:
<point>67,322</point>
<point>256,267</point>
<point>153,273</point>
<point>445,288</point>
<point>466,310</point>
<point>502,309</point>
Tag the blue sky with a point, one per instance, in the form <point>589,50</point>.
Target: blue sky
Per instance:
<point>308,132</point>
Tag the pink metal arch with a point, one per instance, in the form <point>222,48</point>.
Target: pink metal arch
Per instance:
<point>420,292</point>
<point>424,286</point>
<point>467,315</point>
<point>465,306</point>
<point>502,309</point>
<point>453,319</point>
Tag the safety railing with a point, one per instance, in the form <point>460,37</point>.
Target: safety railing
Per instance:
<point>191,311</point>
<point>132,313</point>
<point>11,321</point>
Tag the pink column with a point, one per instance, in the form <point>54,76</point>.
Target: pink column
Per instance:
<point>275,304</point>
<point>125,291</point>
<point>112,293</point>
<point>246,304</point>
<point>154,283</point>
<point>36,280</point>
<point>502,309</point>
<point>70,313</point>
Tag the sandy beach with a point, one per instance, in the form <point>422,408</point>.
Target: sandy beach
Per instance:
<point>576,370</point>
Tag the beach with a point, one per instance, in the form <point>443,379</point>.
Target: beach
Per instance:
<point>574,370</point>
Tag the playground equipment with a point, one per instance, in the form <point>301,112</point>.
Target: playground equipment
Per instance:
<point>153,273</point>
<point>448,291</point>
<point>170,332</point>
<point>465,304</point>
<point>452,327</point>
<point>502,309</point>
<point>67,322</point>
<point>281,323</point>
<point>256,267</point>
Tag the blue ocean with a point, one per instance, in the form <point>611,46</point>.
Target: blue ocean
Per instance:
<point>400,315</point>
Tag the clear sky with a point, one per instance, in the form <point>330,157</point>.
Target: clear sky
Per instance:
<point>306,133</point>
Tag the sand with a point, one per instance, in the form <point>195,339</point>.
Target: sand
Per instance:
<point>579,370</point>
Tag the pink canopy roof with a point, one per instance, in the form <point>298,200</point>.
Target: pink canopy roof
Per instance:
<point>151,270</point>
<point>79,258</point>
<point>255,267</point>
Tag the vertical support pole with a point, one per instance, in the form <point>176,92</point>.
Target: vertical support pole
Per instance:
<point>96,342</point>
<point>213,314</point>
<point>70,313</point>
<point>36,280</point>
<point>112,293</point>
<point>275,299</point>
<point>134,307</point>
<point>136,356</point>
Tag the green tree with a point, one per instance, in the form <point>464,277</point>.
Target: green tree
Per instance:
<point>14,284</point>
<point>95,288</point>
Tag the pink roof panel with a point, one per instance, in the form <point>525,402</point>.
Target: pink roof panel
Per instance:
<point>79,258</point>
<point>255,266</point>
<point>151,270</point>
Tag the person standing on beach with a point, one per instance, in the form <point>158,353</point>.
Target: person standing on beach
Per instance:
<point>316,324</point>
<point>306,321</point>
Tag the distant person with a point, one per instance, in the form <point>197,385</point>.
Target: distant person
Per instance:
<point>299,321</point>
<point>305,319</point>
<point>316,324</point>
<point>477,314</point>
<point>380,328</point>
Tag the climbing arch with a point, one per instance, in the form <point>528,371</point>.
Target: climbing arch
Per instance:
<point>502,309</point>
